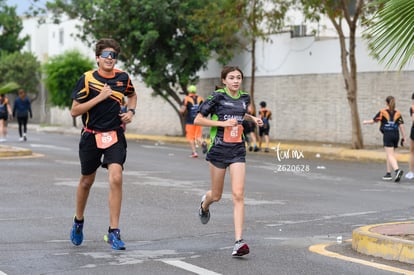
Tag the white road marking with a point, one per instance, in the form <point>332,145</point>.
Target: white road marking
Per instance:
<point>324,218</point>
<point>2,273</point>
<point>189,267</point>
<point>50,147</point>
<point>165,148</point>
<point>67,162</point>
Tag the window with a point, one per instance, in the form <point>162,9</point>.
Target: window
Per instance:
<point>61,36</point>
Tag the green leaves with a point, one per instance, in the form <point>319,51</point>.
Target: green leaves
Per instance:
<point>8,88</point>
<point>10,27</point>
<point>16,69</point>
<point>63,72</point>
<point>21,68</point>
<point>391,36</point>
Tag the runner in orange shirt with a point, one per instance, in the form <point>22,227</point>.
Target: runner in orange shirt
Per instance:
<point>189,108</point>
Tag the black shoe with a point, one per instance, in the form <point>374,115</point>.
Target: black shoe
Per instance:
<point>398,175</point>
<point>204,146</point>
<point>256,149</point>
<point>250,148</point>
<point>387,177</point>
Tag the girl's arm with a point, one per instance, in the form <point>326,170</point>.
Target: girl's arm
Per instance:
<point>370,121</point>
<point>402,130</point>
<point>9,109</point>
<point>256,120</point>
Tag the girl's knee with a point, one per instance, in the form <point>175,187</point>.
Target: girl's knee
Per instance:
<point>238,197</point>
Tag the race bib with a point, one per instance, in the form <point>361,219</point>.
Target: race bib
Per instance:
<point>106,139</point>
<point>233,134</point>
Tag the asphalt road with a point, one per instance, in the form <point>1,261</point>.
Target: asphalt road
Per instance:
<point>292,203</point>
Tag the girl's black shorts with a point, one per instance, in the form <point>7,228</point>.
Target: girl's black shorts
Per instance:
<point>222,155</point>
<point>391,139</point>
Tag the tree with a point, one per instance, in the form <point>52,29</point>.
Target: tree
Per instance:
<point>21,68</point>
<point>62,73</point>
<point>233,26</point>
<point>10,27</point>
<point>391,34</point>
<point>156,36</point>
<point>339,11</point>
<point>16,70</point>
<point>8,87</point>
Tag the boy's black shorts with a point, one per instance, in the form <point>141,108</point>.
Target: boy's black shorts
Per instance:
<point>91,157</point>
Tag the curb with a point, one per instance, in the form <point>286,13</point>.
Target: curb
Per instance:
<point>366,241</point>
<point>11,151</point>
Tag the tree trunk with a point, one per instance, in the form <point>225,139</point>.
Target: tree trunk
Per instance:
<point>253,73</point>
<point>74,121</point>
<point>349,72</point>
<point>357,140</point>
<point>182,121</point>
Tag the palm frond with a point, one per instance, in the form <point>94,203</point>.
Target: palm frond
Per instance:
<point>391,36</point>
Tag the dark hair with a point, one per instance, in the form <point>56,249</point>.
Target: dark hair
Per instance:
<point>391,102</point>
<point>412,96</point>
<point>106,43</point>
<point>263,104</point>
<point>227,69</point>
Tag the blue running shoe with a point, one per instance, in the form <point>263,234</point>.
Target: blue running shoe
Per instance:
<point>76,234</point>
<point>114,239</point>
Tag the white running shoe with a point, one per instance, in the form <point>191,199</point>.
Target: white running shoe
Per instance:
<point>409,175</point>
<point>240,248</point>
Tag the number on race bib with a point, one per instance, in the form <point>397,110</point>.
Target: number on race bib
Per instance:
<point>106,139</point>
<point>233,134</point>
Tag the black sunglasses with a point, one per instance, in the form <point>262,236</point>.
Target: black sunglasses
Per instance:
<point>106,54</point>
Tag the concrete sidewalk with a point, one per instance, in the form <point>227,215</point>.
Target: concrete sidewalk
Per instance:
<point>392,241</point>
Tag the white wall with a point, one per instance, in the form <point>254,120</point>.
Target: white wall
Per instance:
<point>62,38</point>
<point>299,56</point>
<point>38,42</point>
<point>45,39</point>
